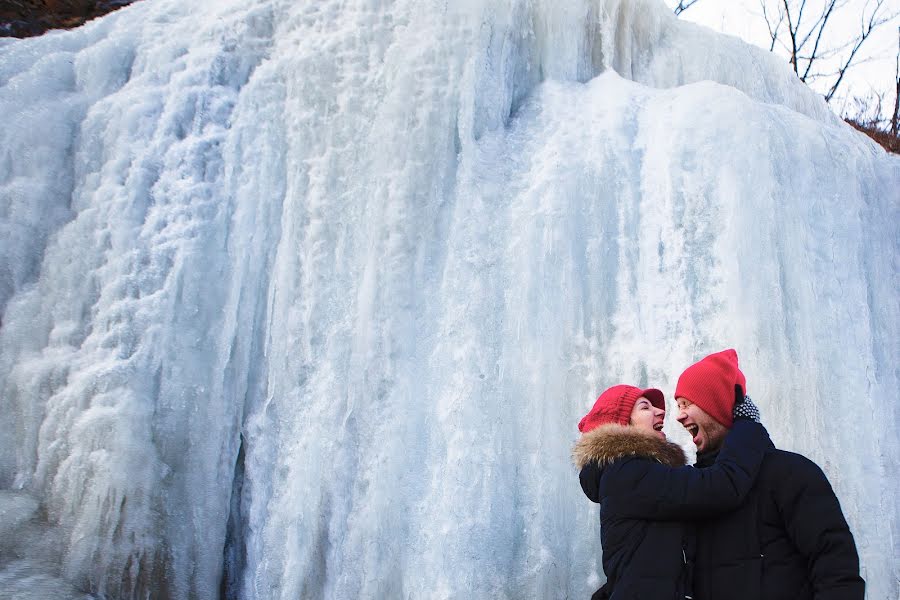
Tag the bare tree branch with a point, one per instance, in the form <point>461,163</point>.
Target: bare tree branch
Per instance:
<point>793,33</point>
<point>834,50</point>
<point>800,14</point>
<point>773,33</point>
<point>874,21</point>
<point>821,26</point>
<point>830,5</point>
<point>683,5</point>
<point>895,118</point>
<point>805,30</point>
<point>837,71</point>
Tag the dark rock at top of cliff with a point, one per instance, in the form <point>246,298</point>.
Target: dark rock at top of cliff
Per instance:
<point>25,18</point>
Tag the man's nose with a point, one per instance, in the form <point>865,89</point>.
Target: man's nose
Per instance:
<point>681,416</point>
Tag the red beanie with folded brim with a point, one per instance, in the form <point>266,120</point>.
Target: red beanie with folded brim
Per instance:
<point>709,383</point>
<point>615,405</point>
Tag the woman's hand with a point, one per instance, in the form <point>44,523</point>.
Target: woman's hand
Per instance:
<point>744,407</point>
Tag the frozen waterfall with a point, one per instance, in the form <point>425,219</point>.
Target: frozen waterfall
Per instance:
<point>304,299</point>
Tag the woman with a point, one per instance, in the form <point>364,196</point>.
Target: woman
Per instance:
<point>646,493</point>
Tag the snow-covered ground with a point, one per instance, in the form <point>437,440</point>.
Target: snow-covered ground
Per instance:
<point>324,287</point>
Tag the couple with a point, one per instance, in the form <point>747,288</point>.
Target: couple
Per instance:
<point>748,522</point>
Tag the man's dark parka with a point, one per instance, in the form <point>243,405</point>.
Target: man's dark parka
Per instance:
<point>787,541</point>
<point>646,493</point>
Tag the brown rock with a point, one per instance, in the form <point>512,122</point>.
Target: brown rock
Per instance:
<point>23,18</point>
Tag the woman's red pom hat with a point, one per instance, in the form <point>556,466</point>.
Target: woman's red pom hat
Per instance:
<point>615,405</point>
<point>709,383</point>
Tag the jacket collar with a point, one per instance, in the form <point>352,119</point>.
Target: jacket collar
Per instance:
<point>706,459</point>
<point>612,441</point>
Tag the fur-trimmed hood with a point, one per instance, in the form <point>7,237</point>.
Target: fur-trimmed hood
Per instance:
<point>612,441</point>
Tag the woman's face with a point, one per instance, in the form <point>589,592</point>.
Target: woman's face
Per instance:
<point>646,416</point>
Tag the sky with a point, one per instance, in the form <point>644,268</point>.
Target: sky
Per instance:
<point>875,69</point>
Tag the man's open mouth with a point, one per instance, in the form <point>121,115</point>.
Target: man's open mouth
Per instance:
<point>658,426</point>
<point>692,429</point>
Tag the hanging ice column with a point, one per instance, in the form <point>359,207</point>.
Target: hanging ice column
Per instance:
<point>304,299</point>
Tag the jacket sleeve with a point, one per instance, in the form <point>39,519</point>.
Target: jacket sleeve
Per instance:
<point>646,489</point>
<point>815,524</point>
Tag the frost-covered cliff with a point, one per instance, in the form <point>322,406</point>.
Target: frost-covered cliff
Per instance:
<point>305,299</point>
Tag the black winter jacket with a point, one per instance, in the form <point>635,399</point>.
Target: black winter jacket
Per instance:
<point>787,541</point>
<point>646,493</point>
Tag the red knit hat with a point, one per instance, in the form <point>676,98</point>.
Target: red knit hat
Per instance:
<point>709,383</point>
<point>615,405</point>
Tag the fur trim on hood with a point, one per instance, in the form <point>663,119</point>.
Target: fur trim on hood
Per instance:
<point>609,442</point>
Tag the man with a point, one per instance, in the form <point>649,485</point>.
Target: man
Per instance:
<point>789,539</point>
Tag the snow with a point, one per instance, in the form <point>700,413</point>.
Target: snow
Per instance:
<point>324,288</point>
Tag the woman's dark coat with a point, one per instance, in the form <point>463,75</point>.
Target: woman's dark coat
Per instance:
<point>787,541</point>
<point>645,493</point>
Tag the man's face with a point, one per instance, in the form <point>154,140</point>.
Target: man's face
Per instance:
<point>708,433</point>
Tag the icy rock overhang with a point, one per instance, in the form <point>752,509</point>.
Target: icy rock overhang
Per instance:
<point>521,44</point>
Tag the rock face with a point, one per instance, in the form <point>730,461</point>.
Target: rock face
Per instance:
<point>24,18</point>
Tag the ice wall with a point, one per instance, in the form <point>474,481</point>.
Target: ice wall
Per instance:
<point>305,299</point>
